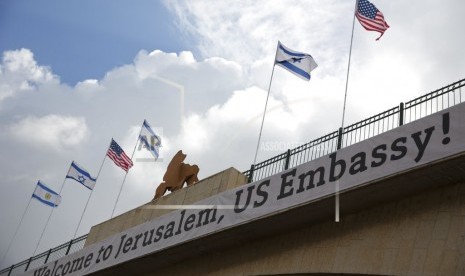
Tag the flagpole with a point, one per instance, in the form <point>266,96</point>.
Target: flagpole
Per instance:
<point>16,232</point>
<point>337,213</point>
<point>90,195</point>
<point>122,184</point>
<point>48,220</point>
<point>348,67</point>
<point>264,111</point>
<point>43,231</point>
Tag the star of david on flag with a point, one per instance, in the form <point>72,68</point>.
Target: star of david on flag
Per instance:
<point>81,175</point>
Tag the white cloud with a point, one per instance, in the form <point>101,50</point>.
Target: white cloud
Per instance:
<point>21,62</point>
<point>249,30</point>
<point>19,71</point>
<point>224,94</point>
<point>56,121</point>
<point>52,131</point>
<point>175,71</point>
<point>416,55</point>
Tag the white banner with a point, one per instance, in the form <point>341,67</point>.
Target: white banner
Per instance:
<point>429,139</point>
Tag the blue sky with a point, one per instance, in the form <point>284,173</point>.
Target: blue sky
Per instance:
<point>85,39</point>
<point>76,73</point>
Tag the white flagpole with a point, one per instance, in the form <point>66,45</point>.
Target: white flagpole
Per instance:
<point>337,214</point>
<point>16,232</point>
<point>90,195</point>
<point>48,220</point>
<point>122,184</point>
<point>266,104</point>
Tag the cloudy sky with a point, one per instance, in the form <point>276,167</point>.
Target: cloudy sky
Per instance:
<point>74,74</point>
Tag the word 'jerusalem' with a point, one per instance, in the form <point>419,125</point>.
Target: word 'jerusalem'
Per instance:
<point>146,238</point>
<point>405,148</point>
<point>130,243</point>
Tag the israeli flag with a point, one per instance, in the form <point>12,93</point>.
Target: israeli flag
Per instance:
<point>150,140</point>
<point>46,195</point>
<point>300,64</point>
<point>80,175</point>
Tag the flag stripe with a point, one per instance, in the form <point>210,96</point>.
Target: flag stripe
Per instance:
<point>370,17</point>
<point>81,171</point>
<point>44,201</point>
<point>148,146</point>
<point>294,69</point>
<point>147,126</point>
<point>118,161</point>
<point>298,63</point>
<point>153,148</point>
<point>371,25</point>
<point>116,153</point>
<point>46,188</point>
<point>46,195</point>
<point>296,54</point>
<point>80,175</point>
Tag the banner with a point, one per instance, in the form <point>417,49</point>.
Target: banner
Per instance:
<point>423,141</point>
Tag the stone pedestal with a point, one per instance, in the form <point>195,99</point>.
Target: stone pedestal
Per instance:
<point>207,187</point>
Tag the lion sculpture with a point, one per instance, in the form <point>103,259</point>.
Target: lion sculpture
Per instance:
<point>176,174</point>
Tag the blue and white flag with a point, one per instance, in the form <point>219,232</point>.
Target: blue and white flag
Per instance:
<point>150,140</point>
<point>46,195</point>
<point>80,175</point>
<point>300,64</point>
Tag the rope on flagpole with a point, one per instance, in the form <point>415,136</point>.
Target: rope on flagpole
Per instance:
<point>264,111</point>
<point>122,184</point>
<point>90,195</point>
<point>337,213</point>
<point>48,220</point>
<point>16,232</point>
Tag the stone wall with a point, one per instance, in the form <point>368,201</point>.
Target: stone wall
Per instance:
<point>417,235</point>
<point>207,187</point>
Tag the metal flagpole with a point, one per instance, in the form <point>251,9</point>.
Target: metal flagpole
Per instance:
<point>264,111</point>
<point>43,231</point>
<point>16,232</point>
<point>337,215</point>
<point>122,184</point>
<point>48,220</point>
<point>90,195</point>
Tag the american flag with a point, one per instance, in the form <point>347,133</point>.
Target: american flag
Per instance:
<point>116,153</point>
<point>370,17</point>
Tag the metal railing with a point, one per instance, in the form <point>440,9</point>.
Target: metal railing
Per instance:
<point>47,256</point>
<point>404,113</point>
<point>415,109</point>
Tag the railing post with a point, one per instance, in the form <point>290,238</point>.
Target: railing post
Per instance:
<point>11,270</point>
<point>48,255</point>
<point>69,247</point>
<point>28,263</point>
<point>251,173</point>
<point>288,158</point>
<point>401,114</point>
<point>339,138</point>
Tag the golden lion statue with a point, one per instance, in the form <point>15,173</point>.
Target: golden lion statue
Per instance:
<point>176,174</point>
